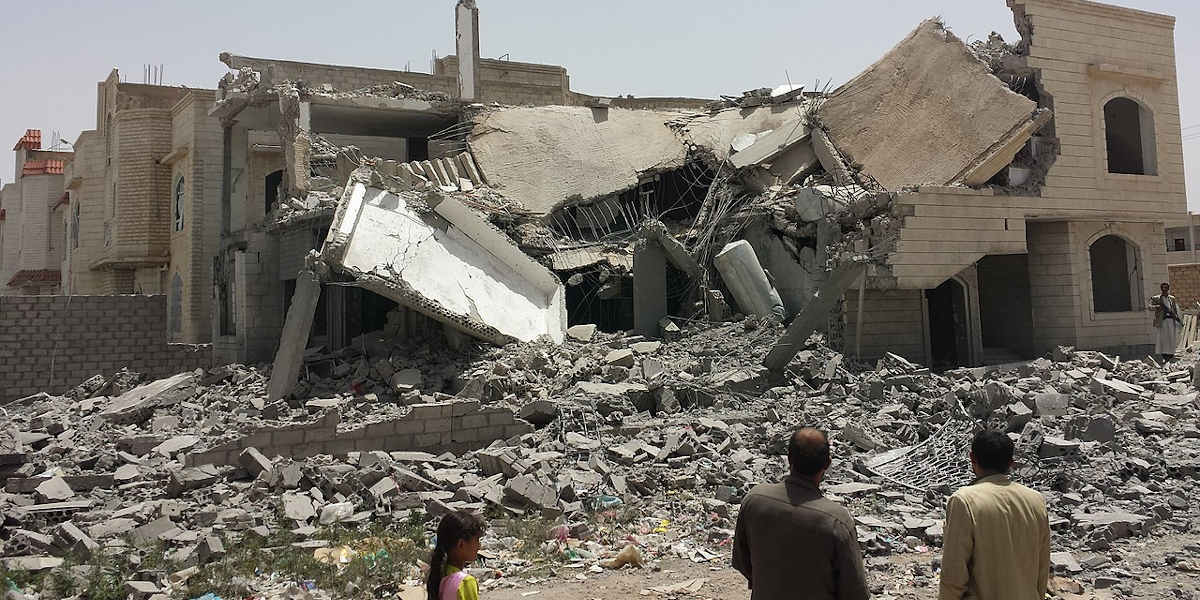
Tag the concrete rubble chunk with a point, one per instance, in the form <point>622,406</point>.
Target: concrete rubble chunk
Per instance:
<point>159,529</point>
<point>54,490</point>
<point>254,462</point>
<point>298,507</point>
<point>622,357</point>
<point>176,444</point>
<point>528,491</point>
<point>72,537</point>
<point>539,412</point>
<point>135,405</point>
<point>581,333</point>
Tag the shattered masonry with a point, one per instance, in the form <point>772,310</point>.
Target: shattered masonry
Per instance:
<point>487,292</point>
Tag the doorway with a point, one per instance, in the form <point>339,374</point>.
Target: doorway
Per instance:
<point>1005,308</point>
<point>948,331</point>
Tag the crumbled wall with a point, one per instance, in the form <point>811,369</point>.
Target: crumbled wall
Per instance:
<point>1185,284</point>
<point>455,426</point>
<point>52,343</point>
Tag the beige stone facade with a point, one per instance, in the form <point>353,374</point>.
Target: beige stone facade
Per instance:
<point>1091,241</point>
<point>143,203</point>
<point>31,237</point>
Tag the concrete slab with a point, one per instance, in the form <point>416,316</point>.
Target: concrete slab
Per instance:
<point>928,112</point>
<point>433,254</point>
<point>717,131</point>
<point>771,145</point>
<point>543,156</point>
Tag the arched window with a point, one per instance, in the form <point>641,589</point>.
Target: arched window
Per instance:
<point>1116,275</point>
<point>178,204</point>
<point>1129,137</point>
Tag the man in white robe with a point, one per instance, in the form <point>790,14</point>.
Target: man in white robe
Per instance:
<point>1167,322</point>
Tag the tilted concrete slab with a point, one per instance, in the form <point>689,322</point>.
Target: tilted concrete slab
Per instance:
<point>544,156</point>
<point>431,253</point>
<point>929,112</point>
<point>772,144</point>
<point>716,131</point>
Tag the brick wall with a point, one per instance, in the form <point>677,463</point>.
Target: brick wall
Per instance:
<point>52,343</point>
<point>1185,284</point>
<point>456,426</point>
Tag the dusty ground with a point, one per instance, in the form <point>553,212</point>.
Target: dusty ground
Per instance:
<point>1139,564</point>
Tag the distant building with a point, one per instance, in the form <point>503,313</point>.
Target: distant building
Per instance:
<point>31,235</point>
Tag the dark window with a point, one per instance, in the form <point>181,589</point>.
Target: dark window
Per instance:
<point>1180,244</point>
<point>179,204</point>
<point>271,193</point>
<point>1129,137</point>
<point>1115,274</point>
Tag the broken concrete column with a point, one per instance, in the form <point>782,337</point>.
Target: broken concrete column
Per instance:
<point>290,356</point>
<point>741,271</point>
<point>466,30</point>
<point>649,286</point>
<point>814,316</point>
<point>293,135</point>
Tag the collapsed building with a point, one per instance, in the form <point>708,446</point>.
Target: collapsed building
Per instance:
<point>958,204</point>
<point>533,310</point>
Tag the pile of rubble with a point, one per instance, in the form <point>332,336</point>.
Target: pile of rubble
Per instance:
<point>626,442</point>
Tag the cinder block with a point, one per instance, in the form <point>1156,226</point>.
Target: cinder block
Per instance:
<point>409,425</point>
<point>500,418</point>
<point>437,425</point>
<point>465,407</point>
<point>426,440</point>
<point>287,437</point>
<point>474,421</point>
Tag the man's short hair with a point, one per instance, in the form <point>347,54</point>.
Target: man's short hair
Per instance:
<point>808,451</point>
<point>993,450</point>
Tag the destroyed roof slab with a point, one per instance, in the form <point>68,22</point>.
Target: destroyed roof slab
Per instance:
<point>716,131</point>
<point>433,254</point>
<point>545,156</point>
<point>929,112</point>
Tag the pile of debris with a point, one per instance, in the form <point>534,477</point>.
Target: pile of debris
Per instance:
<point>626,442</point>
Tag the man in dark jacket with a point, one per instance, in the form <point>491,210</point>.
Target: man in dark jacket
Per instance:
<point>792,542</point>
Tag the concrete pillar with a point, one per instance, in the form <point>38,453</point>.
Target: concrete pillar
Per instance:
<point>466,33</point>
<point>740,270</point>
<point>290,356</point>
<point>649,286</point>
<point>814,316</point>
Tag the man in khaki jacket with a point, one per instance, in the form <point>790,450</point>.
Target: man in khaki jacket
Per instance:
<point>791,542</point>
<point>997,535</point>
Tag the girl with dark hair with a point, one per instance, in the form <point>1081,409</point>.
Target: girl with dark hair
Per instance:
<point>456,545</point>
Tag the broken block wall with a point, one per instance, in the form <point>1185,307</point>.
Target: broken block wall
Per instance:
<point>52,343</point>
<point>1185,284</point>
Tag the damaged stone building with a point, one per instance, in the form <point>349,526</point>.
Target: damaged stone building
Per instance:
<point>959,204</point>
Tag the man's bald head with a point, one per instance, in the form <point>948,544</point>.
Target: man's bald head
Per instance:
<point>808,452</point>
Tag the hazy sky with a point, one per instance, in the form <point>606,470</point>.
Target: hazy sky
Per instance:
<point>58,51</point>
